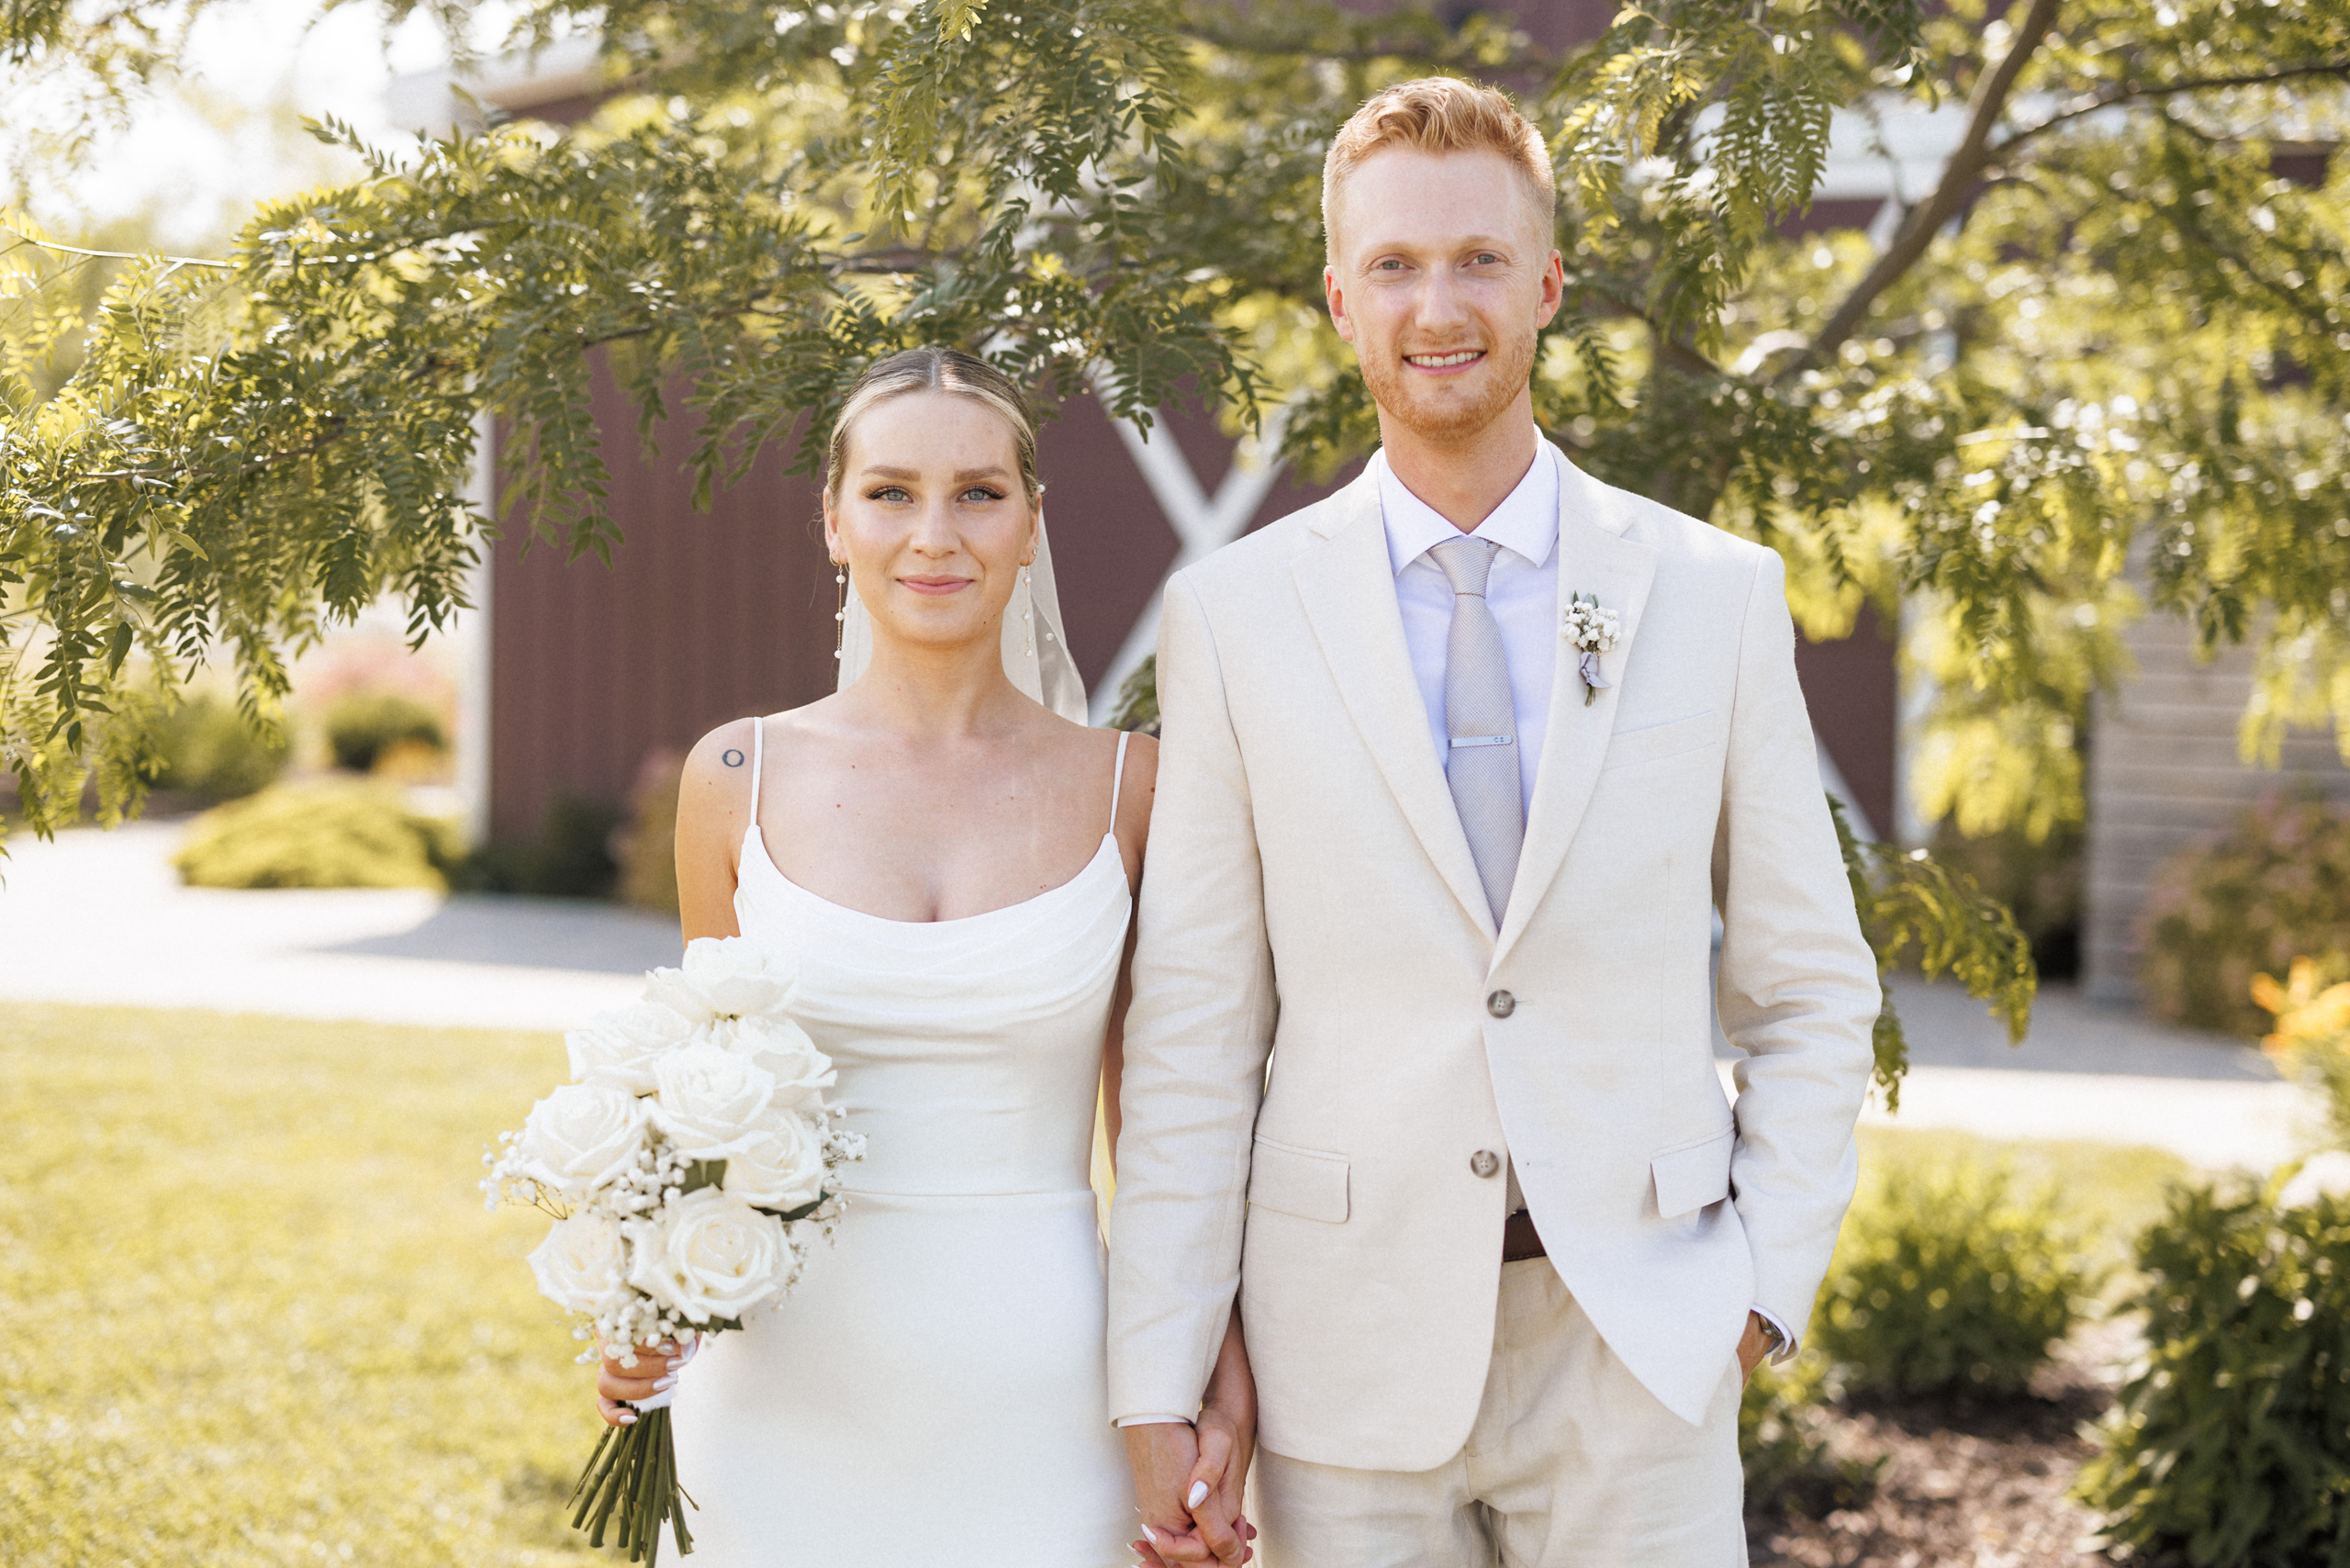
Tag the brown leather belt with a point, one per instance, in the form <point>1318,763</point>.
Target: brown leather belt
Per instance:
<point>1520,1240</point>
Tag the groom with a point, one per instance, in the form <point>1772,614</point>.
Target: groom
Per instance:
<point>1419,1056</point>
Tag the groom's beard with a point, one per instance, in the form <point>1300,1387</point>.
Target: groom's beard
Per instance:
<point>1445,412</point>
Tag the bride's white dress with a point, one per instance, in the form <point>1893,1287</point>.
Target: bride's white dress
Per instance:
<point>933,1387</point>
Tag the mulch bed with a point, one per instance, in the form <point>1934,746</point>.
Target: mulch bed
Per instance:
<point>1961,1483</point>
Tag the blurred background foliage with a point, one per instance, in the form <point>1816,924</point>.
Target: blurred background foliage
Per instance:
<point>2101,364</point>
<point>2274,889</point>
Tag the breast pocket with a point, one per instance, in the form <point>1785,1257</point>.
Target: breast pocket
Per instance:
<point>1695,1174</point>
<point>1629,748</point>
<point>1301,1182</point>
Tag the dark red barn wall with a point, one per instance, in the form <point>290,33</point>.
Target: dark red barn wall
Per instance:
<point>1853,691</point>
<point>700,617</point>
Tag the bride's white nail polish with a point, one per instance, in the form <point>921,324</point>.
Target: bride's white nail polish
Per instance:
<point>663,1385</point>
<point>1149,1534</point>
<point>1199,1495</point>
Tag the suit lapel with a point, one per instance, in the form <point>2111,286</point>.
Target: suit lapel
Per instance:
<point>1348,587</point>
<point>1596,558</point>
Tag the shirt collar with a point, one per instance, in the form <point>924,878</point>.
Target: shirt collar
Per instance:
<point>1525,523</point>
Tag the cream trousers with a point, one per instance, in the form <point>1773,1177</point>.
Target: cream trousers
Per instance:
<point>1570,1465</point>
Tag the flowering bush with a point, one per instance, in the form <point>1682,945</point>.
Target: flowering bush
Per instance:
<point>2275,888</point>
<point>2311,1037</point>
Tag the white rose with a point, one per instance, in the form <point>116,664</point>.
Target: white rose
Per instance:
<point>620,1048</point>
<point>583,1263</point>
<point>579,1138</point>
<point>710,1255</point>
<point>781,1168</point>
<point>722,977</point>
<point>781,1050</point>
<point>709,1101</point>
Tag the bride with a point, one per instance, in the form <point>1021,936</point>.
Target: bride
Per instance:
<point>947,863</point>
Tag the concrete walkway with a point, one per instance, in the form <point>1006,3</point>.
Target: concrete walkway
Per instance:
<point>101,918</point>
<point>2096,1073</point>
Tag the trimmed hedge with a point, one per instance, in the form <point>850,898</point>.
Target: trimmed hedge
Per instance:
<point>329,833</point>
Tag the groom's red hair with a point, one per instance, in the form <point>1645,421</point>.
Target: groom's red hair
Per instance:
<point>1439,114</point>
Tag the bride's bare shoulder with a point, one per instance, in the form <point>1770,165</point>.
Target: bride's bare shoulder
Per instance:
<point>715,790</point>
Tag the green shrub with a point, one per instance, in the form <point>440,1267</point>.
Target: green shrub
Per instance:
<point>647,847</point>
<point>362,726</point>
<point>2275,888</point>
<point>2230,1445</point>
<point>1949,1280</point>
<point>322,834</point>
<point>208,751</point>
<point>571,859</point>
<point>2040,883</point>
<point>1783,1443</point>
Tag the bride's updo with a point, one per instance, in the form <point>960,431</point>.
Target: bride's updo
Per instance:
<point>934,369</point>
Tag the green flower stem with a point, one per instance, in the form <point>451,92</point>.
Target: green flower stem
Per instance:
<point>629,1489</point>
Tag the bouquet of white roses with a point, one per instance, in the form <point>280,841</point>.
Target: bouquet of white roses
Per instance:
<point>693,1140</point>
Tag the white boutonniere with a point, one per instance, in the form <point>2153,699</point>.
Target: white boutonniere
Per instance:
<point>1594,632</point>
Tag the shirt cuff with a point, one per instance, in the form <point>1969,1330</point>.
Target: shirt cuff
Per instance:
<point>1787,1345</point>
<point>1151,1420</point>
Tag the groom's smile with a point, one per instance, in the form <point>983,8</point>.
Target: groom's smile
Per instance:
<point>1444,362</point>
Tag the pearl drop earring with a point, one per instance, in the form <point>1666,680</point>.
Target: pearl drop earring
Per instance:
<point>840,609</point>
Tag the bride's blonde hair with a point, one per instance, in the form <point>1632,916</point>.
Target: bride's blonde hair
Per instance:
<point>932,369</point>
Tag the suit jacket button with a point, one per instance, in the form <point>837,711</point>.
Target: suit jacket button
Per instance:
<point>1501,1004</point>
<point>1486,1162</point>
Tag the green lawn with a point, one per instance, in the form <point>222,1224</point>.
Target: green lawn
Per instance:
<point>2109,1191</point>
<point>251,1311</point>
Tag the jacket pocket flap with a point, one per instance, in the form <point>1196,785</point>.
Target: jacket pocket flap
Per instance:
<point>1658,742</point>
<point>1300,1182</point>
<point>1689,1177</point>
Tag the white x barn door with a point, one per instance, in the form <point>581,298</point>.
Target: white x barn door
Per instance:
<point>1204,523</point>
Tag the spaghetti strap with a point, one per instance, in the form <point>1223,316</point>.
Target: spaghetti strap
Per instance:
<point>1118,778</point>
<point>759,755</point>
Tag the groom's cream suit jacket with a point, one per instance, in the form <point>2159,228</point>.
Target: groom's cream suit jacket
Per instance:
<point>1331,1047</point>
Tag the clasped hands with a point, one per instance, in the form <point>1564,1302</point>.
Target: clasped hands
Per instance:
<point>1188,1483</point>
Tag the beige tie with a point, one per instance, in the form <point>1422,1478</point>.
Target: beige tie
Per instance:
<point>1481,763</point>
